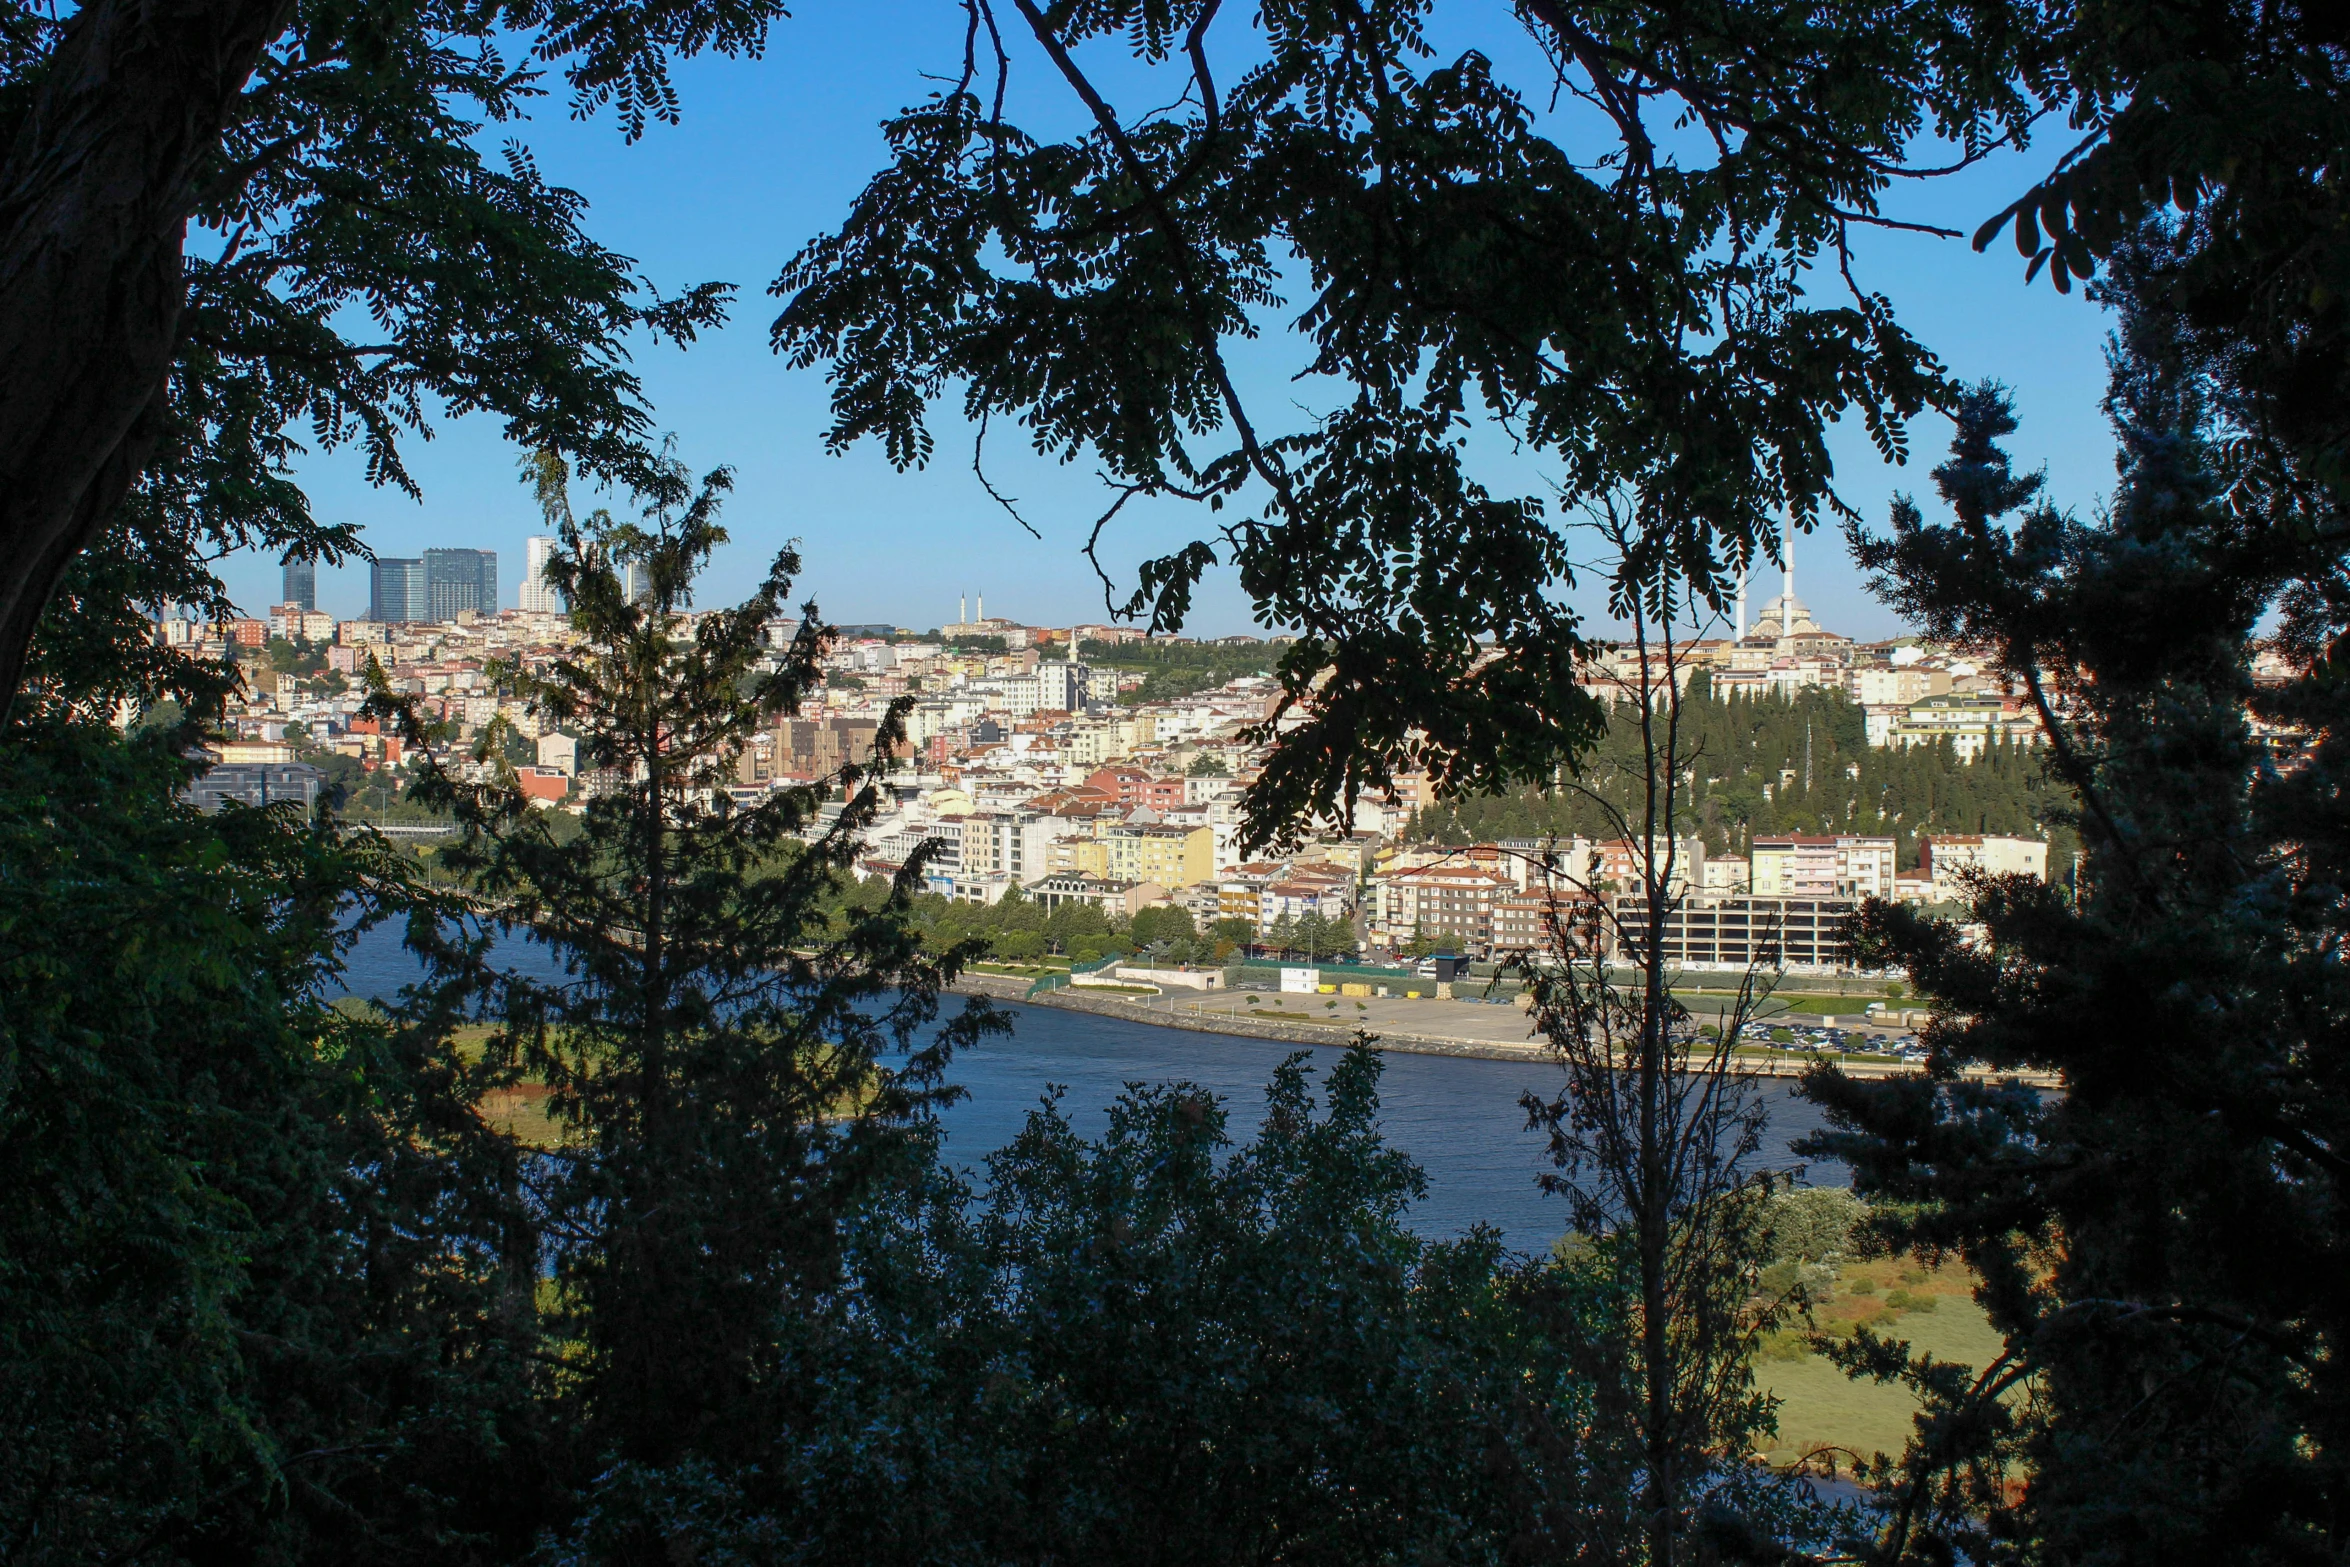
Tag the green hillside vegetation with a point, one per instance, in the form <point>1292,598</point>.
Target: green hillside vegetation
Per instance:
<point>1177,669</point>
<point>1785,764</point>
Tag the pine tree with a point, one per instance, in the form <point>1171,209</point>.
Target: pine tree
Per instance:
<point>718,1054</point>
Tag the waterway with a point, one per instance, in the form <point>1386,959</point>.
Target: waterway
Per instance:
<point>1457,1117</point>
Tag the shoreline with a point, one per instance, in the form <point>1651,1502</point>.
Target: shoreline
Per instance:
<point>1005,988</point>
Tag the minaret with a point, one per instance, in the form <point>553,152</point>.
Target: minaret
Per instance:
<point>982,606</point>
<point>1787,566</point>
<point>1743,577</point>
<point>963,610</point>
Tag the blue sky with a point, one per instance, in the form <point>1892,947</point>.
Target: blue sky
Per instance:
<point>772,151</point>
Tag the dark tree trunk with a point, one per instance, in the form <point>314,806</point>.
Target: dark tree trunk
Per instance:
<point>95,194</point>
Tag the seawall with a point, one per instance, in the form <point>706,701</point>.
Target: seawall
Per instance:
<point>1005,988</point>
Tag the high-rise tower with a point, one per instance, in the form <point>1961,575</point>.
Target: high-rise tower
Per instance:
<point>301,582</point>
<point>395,590</point>
<point>538,596</point>
<point>458,580</point>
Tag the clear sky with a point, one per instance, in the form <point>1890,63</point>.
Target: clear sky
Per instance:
<point>772,151</point>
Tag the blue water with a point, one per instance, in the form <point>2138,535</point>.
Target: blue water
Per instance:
<point>1457,1117</point>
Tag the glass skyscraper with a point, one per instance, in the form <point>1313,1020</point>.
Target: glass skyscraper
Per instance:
<point>301,583</point>
<point>459,580</point>
<point>395,590</point>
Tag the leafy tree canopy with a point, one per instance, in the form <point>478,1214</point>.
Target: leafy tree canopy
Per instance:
<point>311,243</point>
<point>1440,255</point>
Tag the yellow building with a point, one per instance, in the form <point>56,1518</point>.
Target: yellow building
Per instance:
<point>1069,856</point>
<point>1174,857</point>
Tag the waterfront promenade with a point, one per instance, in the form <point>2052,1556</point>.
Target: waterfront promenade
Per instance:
<point>1422,1027</point>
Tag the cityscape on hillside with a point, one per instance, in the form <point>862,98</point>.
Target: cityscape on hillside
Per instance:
<point>1090,764</point>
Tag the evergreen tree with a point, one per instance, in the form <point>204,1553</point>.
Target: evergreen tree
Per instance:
<point>2162,1242</point>
<point>1748,775</point>
<point>718,1054</point>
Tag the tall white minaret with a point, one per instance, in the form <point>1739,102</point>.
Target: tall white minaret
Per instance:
<point>963,610</point>
<point>1743,578</point>
<point>1787,567</point>
<point>982,606</point>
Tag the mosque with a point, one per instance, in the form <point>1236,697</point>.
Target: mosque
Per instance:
<point>1784,625</point>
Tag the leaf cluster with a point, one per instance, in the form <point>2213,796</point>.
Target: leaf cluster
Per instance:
<point>1623,293</point>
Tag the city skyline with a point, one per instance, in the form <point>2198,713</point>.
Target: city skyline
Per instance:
<point>774,157</point>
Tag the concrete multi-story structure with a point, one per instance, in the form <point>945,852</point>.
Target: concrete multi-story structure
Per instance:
<point>295,623</point>
<point>256,784</point>
<point>1531,923</point>
<point>1875,685</point>
<point>1174,857</point>
<point>1971,721</point>
<point>537,595</point>
<point>1130,787</point>
<point>1111,897</point>
<point>1011,843</point>
<point>1448,903</point>
<point>1806,935</point>
<point>1796,865</point>
<point>1303,892</point>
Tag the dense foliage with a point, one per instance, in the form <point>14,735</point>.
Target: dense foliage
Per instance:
<point>272,1287</point>
<point>1785,764</point>
<point>265,1272</point>
<point>714,1048</point>
<point>2163,1241</point>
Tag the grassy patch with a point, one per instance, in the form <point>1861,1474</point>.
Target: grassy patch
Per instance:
<point>1820,1407</point>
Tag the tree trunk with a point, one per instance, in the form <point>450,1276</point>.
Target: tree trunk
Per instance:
<point>95,194</point>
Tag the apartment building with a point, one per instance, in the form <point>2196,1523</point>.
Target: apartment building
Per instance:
<point>1950,857</point>
<point>1012,843</point>
<point>1132,787</point>
<point>1799,866</point>
<point>1449,904</point>
<point>1304,891</point>
<point>1529,922</point>
<point>1174,857</point>
<point>1972,721</point>
<point>1896,685</point>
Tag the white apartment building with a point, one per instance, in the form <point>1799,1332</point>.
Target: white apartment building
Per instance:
<point>1876,685</point>
<point>1950,857</point>
<point>1011,843</point>
<point>1301,892</point>
<point>1801,866</point>
<point>1970,721</point>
